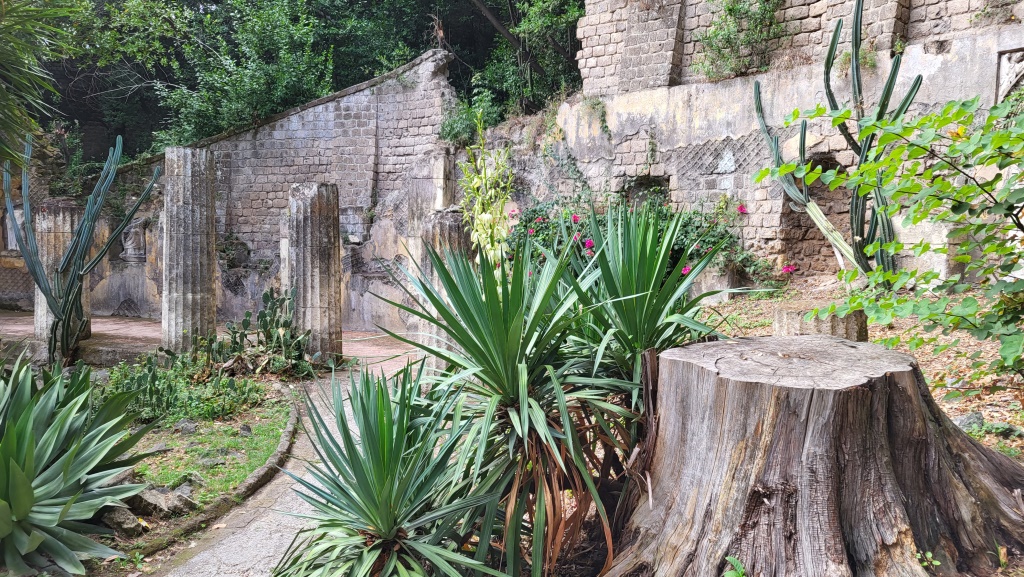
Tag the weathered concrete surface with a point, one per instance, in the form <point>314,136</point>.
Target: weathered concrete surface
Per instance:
<point>257,533</point>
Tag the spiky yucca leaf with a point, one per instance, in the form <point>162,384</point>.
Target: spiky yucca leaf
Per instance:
<point>385,492</point>
<point>56,456</point>
<point>502,328</point>
<point>642,301</point>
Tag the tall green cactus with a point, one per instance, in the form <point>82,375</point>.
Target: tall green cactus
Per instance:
<point>863,231</point>
<point>63,291</point>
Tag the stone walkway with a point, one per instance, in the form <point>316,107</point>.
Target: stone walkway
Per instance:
<point>256,534</point>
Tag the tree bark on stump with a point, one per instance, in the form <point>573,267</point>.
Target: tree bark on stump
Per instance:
<point>814,456</point>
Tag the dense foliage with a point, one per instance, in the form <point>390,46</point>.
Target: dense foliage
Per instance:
<point>182,387</point>
<point>740,37</point>
<point>30,35</point>
<point>562,222</point>
<point>961,169</point>
<point>386,499</point>
<point>214,378</point>
<point>538,351</point>
<point>172,71</point>
<point>59,449</point>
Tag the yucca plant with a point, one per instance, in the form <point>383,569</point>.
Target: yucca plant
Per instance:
<point>386,495</point>
<point>58,452</point>
<point>639,307</point>
<point>641,303</point>
<point>501,328</point>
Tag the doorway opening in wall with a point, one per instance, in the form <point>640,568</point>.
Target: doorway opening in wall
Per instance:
<point>803,244</point>
<point>641,189</point>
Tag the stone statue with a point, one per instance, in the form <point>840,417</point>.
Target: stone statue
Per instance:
<point>133,239</point>
<point>19,216</point>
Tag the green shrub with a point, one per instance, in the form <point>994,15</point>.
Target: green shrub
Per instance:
<point>506,324</point>
<point>740,37</point>
<point>459,125</point>
<point>183,387</point>
<point>553,225</point>
<point>272,345</point>
<point>58,451</point>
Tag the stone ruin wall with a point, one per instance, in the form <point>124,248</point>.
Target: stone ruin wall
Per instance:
<point>377,141</point>
<point>642,96</point>
<point>643,113</point>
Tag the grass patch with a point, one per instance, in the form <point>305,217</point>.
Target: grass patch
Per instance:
<point>216,441</point>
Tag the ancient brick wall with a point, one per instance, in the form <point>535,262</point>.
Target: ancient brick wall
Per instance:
<point>629,46</point>
<point>661,121</point>
<point>367,139</point>
<point>377,141</point>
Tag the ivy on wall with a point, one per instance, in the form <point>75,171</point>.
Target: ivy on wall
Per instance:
<point>739,38</point>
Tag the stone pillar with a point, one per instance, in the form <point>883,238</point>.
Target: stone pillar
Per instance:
<point>312,263</point>
<point>55,223</point>
<point>189,304</point>
<point>790,321</point>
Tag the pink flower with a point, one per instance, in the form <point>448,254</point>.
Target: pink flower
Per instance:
<point>686,270</point>
<point>529,273</point>
<point>789,268</point>
<point>741,209</point>
<point>589,243</point>
<point>576,237</point>
<point>575,219</point>
<point>539,219</point>
<point>513,212</point>
<point>590,253</point>
<point>530,231</point>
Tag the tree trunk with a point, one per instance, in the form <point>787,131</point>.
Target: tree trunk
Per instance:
<point>814,456</point>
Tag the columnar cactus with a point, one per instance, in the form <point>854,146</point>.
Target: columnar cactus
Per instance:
<point>63,291</point>
<point>864,231</point>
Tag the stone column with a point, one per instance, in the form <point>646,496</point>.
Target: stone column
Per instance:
<point>189,305</point>
<point>55,224</point>
<point>790,321</point>
<point>313,263</point>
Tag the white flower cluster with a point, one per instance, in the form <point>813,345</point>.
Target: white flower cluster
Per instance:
<point>487,183</point>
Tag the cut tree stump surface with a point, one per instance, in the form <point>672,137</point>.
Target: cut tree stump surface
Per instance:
<point>814,456</point>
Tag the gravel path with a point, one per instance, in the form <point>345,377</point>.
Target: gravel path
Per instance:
<point>256,534</point>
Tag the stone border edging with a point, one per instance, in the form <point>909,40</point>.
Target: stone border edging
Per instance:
<point>221,505</point>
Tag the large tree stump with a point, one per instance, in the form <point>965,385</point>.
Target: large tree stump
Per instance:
<point>814,456</point>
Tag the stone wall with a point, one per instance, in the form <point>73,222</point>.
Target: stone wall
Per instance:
<point>16,287</point>
<point>701,138</point>
<point>633,45</point>
<point>369,140</point>
<point>377,141</point>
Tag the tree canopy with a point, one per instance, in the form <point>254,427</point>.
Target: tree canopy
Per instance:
<point>172,71</point>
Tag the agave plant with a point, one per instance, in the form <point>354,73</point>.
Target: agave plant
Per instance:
<point>386,495</point>
<point>58,453</point>
<point>501,329</point>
